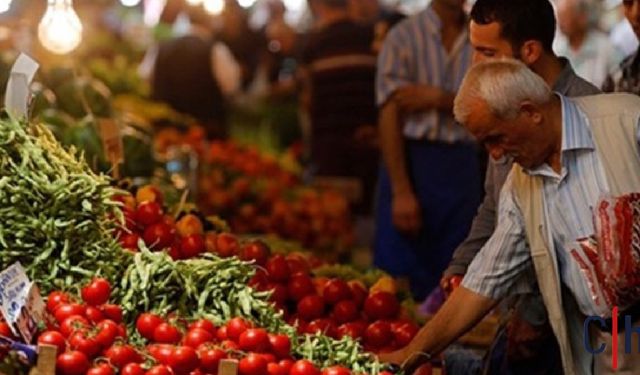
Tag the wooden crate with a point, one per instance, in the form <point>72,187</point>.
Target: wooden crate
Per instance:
<point>46,364</point>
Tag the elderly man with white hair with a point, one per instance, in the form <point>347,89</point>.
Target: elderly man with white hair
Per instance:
<point>569,153</point>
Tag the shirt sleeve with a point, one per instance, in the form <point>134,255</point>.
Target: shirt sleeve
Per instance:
<point>503,266</point>
<point>226,69</point>
<point>393,67</point>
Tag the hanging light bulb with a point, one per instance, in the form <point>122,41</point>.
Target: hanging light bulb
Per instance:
<point>194,2</point>
<point>5,5</point>
<point>214,6</point>
<point>130,3</point>
<point>60,30</point>
<point>246,3</point>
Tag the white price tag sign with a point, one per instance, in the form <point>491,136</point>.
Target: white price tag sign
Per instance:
<point>16,99</point>
<point>20,302</point>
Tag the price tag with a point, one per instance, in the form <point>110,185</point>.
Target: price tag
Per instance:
<point>20,302</point>
<point>112,143</point>
<point>16,99</point>
<point>228,367</point>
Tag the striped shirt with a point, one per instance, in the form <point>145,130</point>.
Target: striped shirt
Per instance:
<point>413,53</point>
<point>504,265</point>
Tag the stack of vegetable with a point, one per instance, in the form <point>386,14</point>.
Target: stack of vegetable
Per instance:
<point>57,216</point>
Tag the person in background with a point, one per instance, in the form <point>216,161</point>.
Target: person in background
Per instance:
<point>621,33</point>
<point>430,184</point>
<point>197,75</point>
<point>382,27</point>
<point>627,76</point>
<point>338,70</point>
<point>522,29</point>
<point>590,51</point>
<point>545,208</point>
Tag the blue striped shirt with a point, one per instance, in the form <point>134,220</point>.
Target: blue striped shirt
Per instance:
<point>504,264</point>
<point>413,53</point>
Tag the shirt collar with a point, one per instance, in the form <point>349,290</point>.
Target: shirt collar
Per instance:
<point>575,130</point>
<point>565,77</point>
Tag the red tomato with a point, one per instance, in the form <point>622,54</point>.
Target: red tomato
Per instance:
<point>336,290</point>
<point>84,342</point>
<point>183,360</point>
<point>252,364</point>
<point>403,333</point>
<point>280,345</point>
<point>205,324</point>
<point>159,370</point>
<point>210,358</point>
<point>235,327</point>
<point>277,268</point>
<point>279,293</point>
<point>113,312</point>
<point>147,323</point>
<point>94,314</point>
<point>149,213</point>
<point>132,369</point>
<point>269,357</point>
<point>221,335</point>
<point>72,363</point>
<point>129,241</point>
<point>54,338</point>
<point>161,352</point>
<point>101,369</point>
<point>325,326</point>
<point>226,245</point>
<point>121,355</point>
<point>381,305</point>
<point>275,369</point>
<point>256,251</point>
<point>196,337</point>
<point>107,332</point>
<point>97,292</point>
<point>358,291</point>
<point>300,286</point>
<point>254,340</point>
<point>122,330</point>
<point>336,370</point>
<point>304,367</point>
<point>192,245</point>
<point>345,311</point>
<point>72,324</point>
<point>311,307</point>
<point>353,329</point>
<point>297,264</point>
<point>286,364</point>
<point>56,298</point>
<point>158,236</point>
<point>167,334</point>
<point>229,345</point>
<point>378,334</point>
<point>65,310</point>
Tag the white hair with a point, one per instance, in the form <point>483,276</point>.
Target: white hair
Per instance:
<point>503,85</point>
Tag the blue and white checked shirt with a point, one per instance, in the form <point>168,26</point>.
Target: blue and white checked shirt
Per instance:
<point>504,264</point>
<point>413,54</point>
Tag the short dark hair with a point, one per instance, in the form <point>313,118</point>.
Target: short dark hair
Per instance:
<point>520,20</point>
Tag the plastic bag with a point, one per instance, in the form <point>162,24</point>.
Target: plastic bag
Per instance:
<point>610,262</point>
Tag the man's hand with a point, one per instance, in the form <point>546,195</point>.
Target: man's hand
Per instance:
<point>418,98</point>
<point>407,359</point>
<point>405,210</point>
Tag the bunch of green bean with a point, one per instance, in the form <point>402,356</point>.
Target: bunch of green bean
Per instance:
<point>208,287</point>
<point>56,215</point>
<point>216,288</point>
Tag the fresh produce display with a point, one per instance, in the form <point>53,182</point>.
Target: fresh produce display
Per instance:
<point>256,194</point>
<point>56,214</point>
<point>91,339</point>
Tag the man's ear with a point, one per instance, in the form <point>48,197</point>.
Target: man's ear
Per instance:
<point>531,111</point>
<point>530,52</point>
